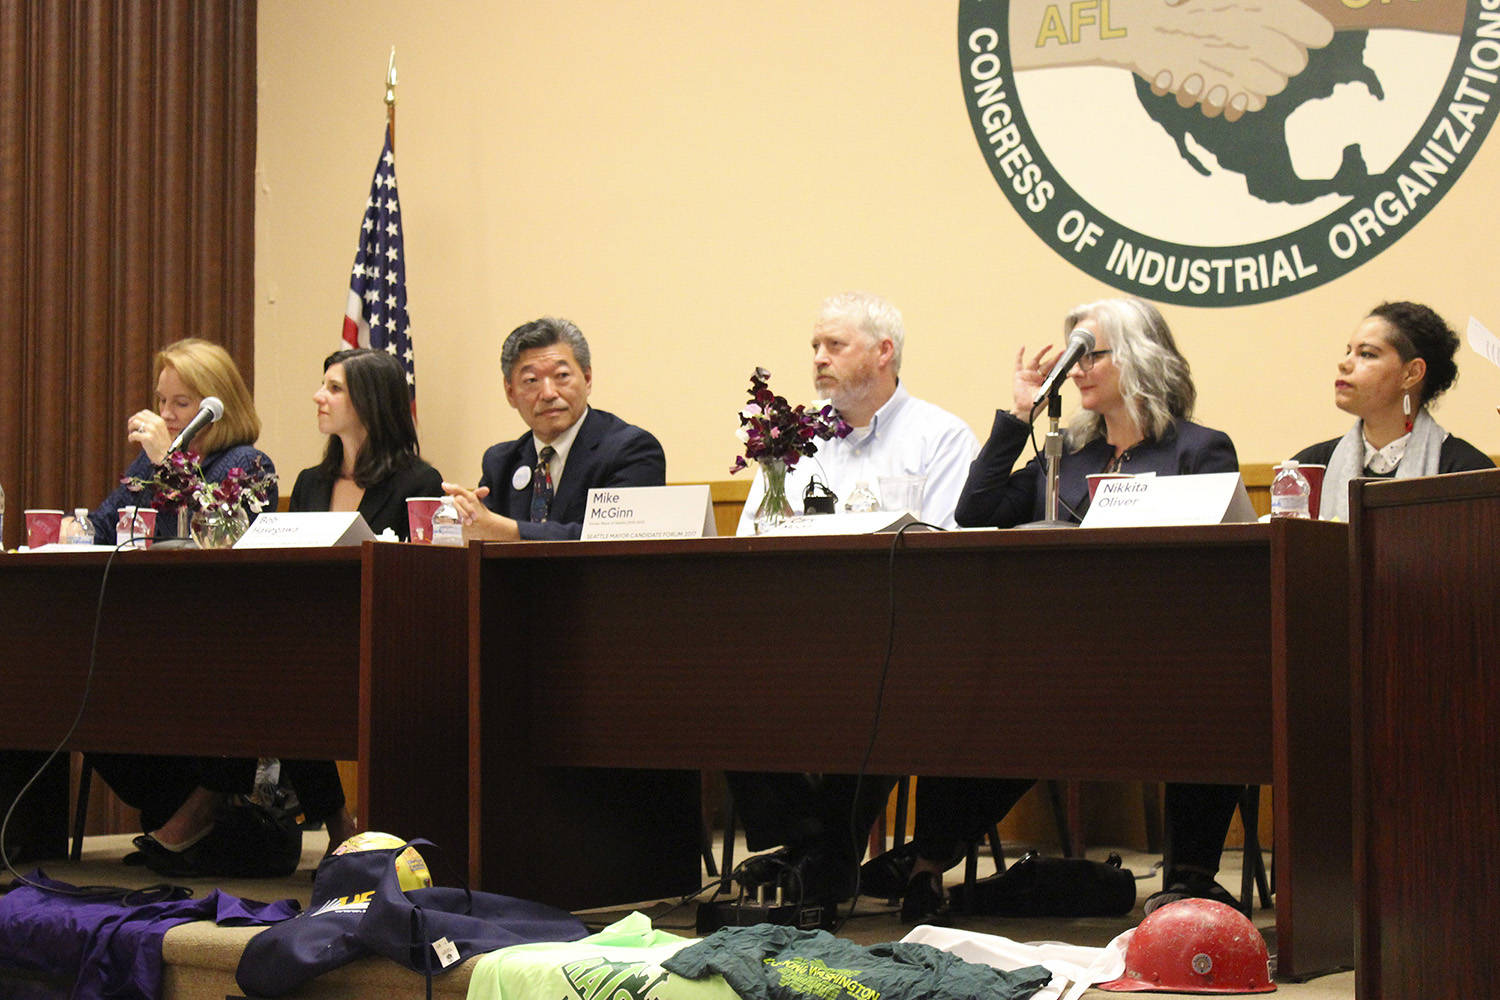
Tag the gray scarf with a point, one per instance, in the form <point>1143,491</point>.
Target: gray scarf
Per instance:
<point>1348,462</point>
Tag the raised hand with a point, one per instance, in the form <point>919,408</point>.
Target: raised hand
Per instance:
<point>1028,378</point>
<point>147,429</point>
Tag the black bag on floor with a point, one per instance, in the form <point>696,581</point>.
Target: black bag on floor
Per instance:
<point>250,840</point>
<point>1051,887</point>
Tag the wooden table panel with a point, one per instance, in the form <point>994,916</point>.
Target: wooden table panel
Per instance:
<point>1426,697</point>
<point>240,653</point>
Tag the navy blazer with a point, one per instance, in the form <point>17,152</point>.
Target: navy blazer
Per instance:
<point>384,503</point>
<point>606,452</point>
<point>994,496</point>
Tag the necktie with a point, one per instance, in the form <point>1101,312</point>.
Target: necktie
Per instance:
<point>541,485</point>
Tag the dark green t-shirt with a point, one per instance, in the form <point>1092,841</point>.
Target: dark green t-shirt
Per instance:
<point>771,962</point>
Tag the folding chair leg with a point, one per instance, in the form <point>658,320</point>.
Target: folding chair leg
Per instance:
<point>726,863</point>
<point>706,848</point>
<point>1253,869</point>
<point>997,849</point>
<point>903,808</point>
<point>81,810</point>
<point>1066,799</point>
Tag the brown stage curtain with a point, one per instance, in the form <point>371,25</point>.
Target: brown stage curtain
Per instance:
<point>127,160</point>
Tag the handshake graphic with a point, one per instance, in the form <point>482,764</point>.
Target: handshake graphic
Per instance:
<point>1225,56</point>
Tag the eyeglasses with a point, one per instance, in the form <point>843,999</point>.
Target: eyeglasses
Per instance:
<point>1086,363</point>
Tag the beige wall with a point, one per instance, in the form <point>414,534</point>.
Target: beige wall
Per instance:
<point>686,180</point>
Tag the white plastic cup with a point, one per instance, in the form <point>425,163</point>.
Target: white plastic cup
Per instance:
<point>136,522</point>
<point>902,493</point>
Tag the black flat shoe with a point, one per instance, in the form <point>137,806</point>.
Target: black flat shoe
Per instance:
<point>172,864</point>
<point>923,898</point>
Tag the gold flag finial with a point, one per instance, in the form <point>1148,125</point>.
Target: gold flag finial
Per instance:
<point>390,79</point>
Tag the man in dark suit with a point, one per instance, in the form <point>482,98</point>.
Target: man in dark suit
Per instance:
<point>536,486</point>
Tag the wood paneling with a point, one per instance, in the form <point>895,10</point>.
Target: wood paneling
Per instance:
<point>1427,754</point>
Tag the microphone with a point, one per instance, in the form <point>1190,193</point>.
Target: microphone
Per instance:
<point>1080,342</point>
<point>209,411</point>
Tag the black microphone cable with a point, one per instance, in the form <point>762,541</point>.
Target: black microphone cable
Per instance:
<point>857,836</point>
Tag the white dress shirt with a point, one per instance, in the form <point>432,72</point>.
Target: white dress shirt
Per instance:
<point>561,447</point>
<point>907,436</point>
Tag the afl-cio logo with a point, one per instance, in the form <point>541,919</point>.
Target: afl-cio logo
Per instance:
<point>1223,152</point>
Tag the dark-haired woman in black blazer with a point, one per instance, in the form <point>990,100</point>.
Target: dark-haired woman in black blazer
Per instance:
<point>372,465</point>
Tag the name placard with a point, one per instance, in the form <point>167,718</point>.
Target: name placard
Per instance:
<point>641,512</point>
<point>1153,501</point>
<point>306,530</point>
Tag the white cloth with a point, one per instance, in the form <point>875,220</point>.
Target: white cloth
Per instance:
<point>907,436</point>
<point>1074,968</point>
<point>1424,448</point>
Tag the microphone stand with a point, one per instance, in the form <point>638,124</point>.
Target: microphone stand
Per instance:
<point>184,539</point>
<point>1052,454</point>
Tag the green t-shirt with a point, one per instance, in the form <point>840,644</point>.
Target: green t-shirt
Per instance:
<point>621,962</point>
<point>769,962</point>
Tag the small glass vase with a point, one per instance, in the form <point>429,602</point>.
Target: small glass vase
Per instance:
<point>217,530</point>
<point>774,510</point>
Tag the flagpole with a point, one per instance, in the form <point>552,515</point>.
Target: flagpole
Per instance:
<point>390,99</point>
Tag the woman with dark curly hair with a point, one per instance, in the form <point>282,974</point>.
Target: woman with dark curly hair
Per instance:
<point>1397,362</point>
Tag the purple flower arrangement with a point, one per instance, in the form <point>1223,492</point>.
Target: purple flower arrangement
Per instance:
<point>774,430</point>
<point>178,482</point>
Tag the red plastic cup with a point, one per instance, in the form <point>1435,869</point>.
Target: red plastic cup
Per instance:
<point>43,527</point>
<point>419,511</point>
<point>1314,476</point>
<point>136,522</point>
<point>1098,477</point>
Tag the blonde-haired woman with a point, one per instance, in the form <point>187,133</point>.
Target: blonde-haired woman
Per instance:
<point>186,372</point>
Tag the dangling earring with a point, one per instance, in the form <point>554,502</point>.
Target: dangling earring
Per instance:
<point>1406,409</point>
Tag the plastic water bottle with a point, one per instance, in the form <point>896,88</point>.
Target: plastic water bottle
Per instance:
<point>80,531</point>
<point>446,527</point>
<point>1290,492</point>
<point>862,499</point>
<point>2,518</point>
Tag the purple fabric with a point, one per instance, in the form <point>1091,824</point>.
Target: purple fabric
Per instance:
<point>114,948</point>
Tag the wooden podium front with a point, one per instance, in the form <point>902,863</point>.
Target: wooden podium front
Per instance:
<point>1426,643</point>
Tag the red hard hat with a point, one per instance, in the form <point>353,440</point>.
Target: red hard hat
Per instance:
<point>1195,946</point>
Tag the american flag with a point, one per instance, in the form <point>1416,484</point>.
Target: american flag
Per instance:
<point>376,314</point>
